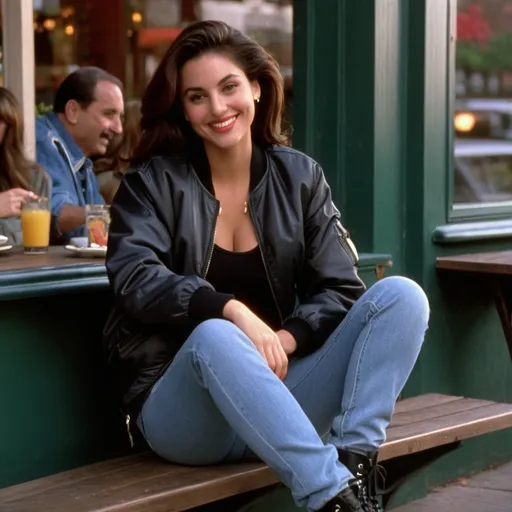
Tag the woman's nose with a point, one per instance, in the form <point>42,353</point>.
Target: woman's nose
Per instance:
<point>217,105</point>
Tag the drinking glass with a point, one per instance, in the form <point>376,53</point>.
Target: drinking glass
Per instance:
<point>97,219</point>
<point>35,225</point>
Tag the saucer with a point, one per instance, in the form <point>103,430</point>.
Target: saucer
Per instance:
<point>87,252</point>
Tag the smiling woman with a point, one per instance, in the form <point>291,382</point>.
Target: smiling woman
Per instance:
<point>204,90</point>
<point>239,321</point>
<point>218,106</point>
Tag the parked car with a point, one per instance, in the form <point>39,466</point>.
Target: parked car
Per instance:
<point>484,117</point>
<point>482,171</point>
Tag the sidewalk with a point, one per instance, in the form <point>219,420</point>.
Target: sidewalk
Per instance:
<point>490,491</point>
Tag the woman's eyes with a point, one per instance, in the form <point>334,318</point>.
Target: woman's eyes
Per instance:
<point>228,88</point>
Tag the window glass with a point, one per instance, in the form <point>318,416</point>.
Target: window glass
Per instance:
<point>483,104</point>
<point>129,37</point>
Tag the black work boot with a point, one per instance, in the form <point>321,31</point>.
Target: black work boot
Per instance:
<point>369,478</point>
<point>345,501</point>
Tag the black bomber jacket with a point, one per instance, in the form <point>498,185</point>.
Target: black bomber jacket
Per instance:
<point>160,244</point>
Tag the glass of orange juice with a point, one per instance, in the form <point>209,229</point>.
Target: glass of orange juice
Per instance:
<point>35,225</point>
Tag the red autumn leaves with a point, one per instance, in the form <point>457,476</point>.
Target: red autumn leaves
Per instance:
<point>472,27</point>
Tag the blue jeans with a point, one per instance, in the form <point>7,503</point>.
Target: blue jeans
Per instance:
<point>219,402</point>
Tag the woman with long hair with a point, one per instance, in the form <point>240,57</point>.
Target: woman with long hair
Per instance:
<point>20,177</point>
<point>109,169</point>
<point>241,329</point>
<point>120,150</point>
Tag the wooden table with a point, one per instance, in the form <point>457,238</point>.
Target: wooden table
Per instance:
<point>497,267</point>
<point>56,256</point>
<point>58,271</point>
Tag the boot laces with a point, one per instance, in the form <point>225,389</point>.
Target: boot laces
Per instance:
<point>370,484</point>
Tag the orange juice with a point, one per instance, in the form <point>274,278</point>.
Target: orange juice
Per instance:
<point>35,225</point>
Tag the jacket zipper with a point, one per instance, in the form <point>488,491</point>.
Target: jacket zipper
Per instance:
<point>128,430</point>
<point>217,213</point>
<point>265,266</point>
<point>212,245</point>
<point>127,417</point>
<point>348,246</point>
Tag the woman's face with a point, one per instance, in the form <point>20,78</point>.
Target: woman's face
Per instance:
<point>218,99</point>
<point>3,130</point>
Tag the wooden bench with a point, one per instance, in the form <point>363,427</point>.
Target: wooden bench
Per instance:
<point>423,428</point>
<point>496,268</point>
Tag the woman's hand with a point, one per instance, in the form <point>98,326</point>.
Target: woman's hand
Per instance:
<point>264,338</point>
<point>11,201</point>
<point>287,341</point>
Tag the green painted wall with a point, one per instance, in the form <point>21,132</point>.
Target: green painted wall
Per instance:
<point>373,89</point>
<point>56,412</point>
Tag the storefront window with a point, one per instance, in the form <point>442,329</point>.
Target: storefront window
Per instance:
<point>483,105</point>
<point>129,37</point>
<point>73,33</point>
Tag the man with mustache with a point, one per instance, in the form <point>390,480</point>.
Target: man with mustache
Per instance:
<point>87,114</point>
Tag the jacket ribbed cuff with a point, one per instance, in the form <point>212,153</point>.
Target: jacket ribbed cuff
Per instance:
<point>303,334</point>
<point>206,303</point>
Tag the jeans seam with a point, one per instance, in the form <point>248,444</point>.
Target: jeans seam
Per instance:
<point>235,406</point>
<point>358,376</point>
<point>143,430</point>
<point>334,338</point>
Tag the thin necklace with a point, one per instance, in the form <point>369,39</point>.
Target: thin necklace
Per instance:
<point>245,209</point>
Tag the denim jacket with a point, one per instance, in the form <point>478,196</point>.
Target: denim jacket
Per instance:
<point>72,174</point>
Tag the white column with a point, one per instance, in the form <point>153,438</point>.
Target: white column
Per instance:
<point>19,61</point>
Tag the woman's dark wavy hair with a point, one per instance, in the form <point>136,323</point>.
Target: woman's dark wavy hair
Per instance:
<point>15,167</point>
<point>164,128</point>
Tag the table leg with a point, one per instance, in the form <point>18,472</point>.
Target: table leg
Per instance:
<point>503,297</point>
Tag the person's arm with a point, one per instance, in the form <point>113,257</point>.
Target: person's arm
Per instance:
<point>69,215</point>
<point>139,261</point>
<point>97,197</point>
<point>328,284</point>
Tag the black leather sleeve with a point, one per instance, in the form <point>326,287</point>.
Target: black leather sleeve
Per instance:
<point>328,285</point>
<point>139,256</point>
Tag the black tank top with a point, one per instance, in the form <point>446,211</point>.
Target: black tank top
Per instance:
<point>243,274</point>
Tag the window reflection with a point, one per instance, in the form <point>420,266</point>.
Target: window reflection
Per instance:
<point>129,37</point>
<point>483,105</point>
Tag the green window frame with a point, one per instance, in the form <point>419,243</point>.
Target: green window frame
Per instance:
<point>470,212</point>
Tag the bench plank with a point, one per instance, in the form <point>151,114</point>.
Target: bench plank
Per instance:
<point>159,487</point>
<point>145,483</point>
<point>420,436</point>
<point>98,470</point>
<point>435,411</point>
<point>422,401</point>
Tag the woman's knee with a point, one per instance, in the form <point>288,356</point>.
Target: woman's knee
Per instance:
<point>406,295</point>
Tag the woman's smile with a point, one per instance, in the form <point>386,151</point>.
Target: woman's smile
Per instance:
<point>223,125</point>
